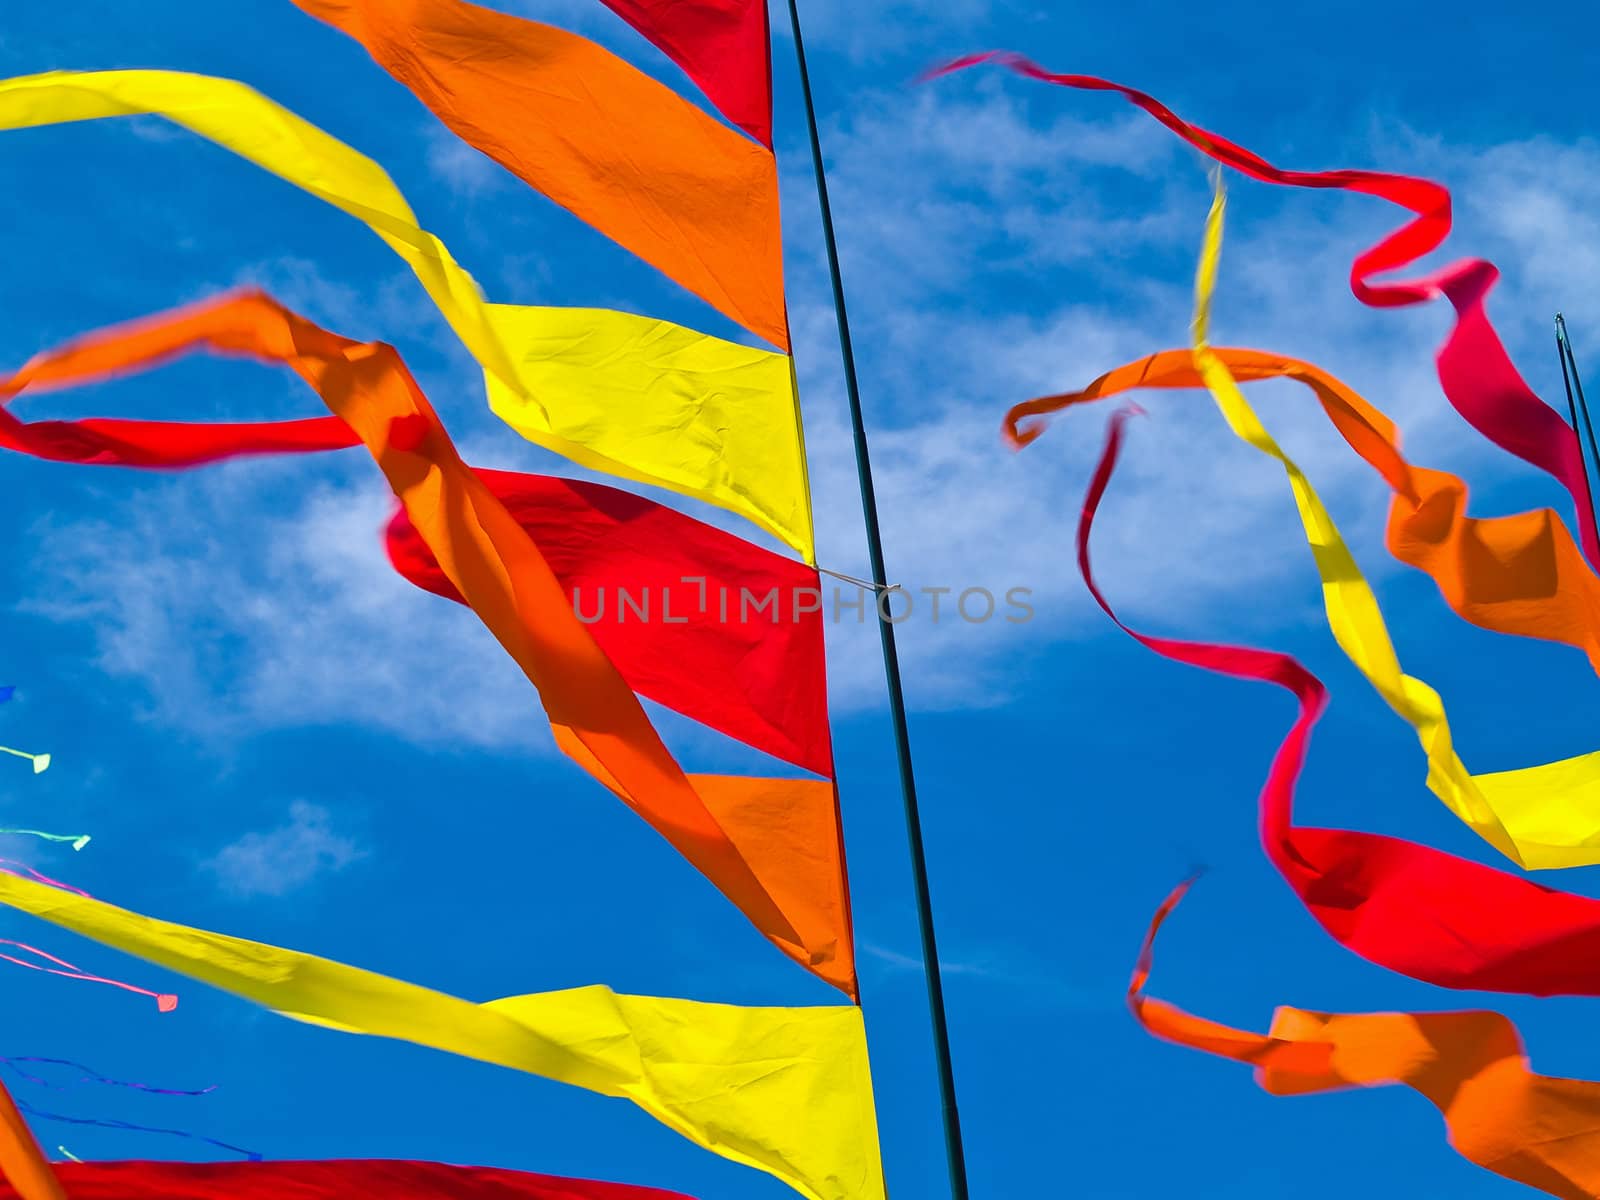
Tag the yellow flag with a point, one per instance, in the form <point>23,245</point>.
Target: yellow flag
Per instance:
<point>784,1090</point>
<point>724,427</point>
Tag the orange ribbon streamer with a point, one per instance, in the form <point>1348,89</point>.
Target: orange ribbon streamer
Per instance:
<point>22,1163</point>
<point>1535,1129</point>
<point>771,846</point>
<point>618,150</point>
<point>1520,574</point>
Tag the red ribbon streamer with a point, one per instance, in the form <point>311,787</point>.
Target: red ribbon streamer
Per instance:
<point>336,1179</point>
<point>1420,912</point>
<point>1475,371</point>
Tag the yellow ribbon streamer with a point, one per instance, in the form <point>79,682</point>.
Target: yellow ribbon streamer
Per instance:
<point>722,425</point>
<point>785,1090</point>
<point>1539,817</point>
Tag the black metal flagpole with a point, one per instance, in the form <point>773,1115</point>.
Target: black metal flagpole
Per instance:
<point>891,659</point>
<point>1569,363</point>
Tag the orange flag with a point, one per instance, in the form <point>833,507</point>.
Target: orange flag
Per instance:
<point>771,846</point>
<point>21,1161</point>
<point>1520,574</point>
<point>618,150</point>
<point>1536,1129</point>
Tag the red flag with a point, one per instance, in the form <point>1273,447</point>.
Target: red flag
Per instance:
<point>723,45</point>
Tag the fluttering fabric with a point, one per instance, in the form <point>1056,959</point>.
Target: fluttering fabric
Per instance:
<point>771,846</point>
<point>1417,911</point>
<point>1425,914</point>
<point>602,139</point>
<point>722,426</point>
<point>330,1179</point>
<point>1475,371</point>
<point>673,603</point>
<point>1471,1066</point>
<point>715,418</point>
<point>1519,574</point>
<point>759,680</point>
<point>785,1090</point>
<point>723,45</point>
<point>22,1163</point>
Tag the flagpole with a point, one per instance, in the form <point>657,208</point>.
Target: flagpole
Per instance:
<point>954,1153</point>
<point>1564,350</point>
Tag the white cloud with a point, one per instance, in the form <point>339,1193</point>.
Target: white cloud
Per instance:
<point>286,858</point>
<point>463,169</point>
<point>258,596</point>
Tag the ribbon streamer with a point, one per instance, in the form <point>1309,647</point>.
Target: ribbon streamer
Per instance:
<point>1471,1066</point>
<point>602,139</point>
<point>723,45</point>
<point>1422,913</point>
<point>730,1079</point>
<point>164,1002</point>
<point>332,1179</point>
<point>712,427</point>
<point>22,1164</point>
<point>129,1127</point>
<point>772,846</point>
<point>1517,574</point>
<point>1414,910</point>
<point>1475,371</point>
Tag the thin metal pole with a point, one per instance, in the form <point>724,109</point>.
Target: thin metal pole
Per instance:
<point>891,660</point>
<point>1564,348</point>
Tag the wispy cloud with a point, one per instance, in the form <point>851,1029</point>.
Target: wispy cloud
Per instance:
<point>258,596</point>
<point>284,859</point>
<point>461,168</point>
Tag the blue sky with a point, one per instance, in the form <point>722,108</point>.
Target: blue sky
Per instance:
<point>268,734</point>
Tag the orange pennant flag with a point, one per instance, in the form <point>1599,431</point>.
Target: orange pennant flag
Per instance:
<point>693,198</point>
<point>1536,1129</point>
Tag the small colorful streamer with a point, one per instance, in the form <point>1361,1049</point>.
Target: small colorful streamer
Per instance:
<point>90,1075</point>
<point>130,1127</point>
<point>165,1001</point>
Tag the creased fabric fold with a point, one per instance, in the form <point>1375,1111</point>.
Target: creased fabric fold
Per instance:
<point>721,425</point>
<point>1536,1129</point>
